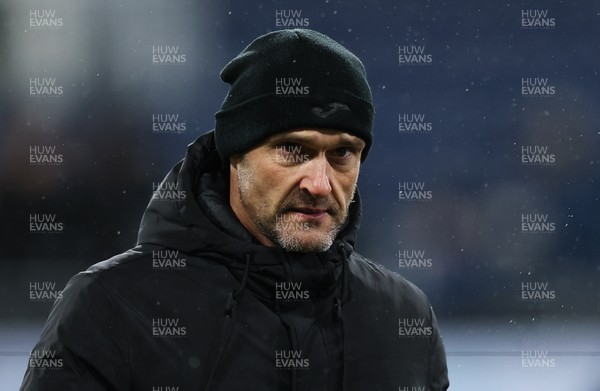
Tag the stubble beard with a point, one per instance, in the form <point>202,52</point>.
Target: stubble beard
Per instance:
<point>290,236</point>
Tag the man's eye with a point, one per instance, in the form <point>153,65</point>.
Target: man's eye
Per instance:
<point>343,152</point>
<point>288,148</point>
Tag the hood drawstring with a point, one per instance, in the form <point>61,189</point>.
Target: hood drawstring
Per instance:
<point>291,331</point>
<point>337,305</point>
<point>341,248</point>
<point>230,312</point>
<point>293,338</point>
<point>234,295</point>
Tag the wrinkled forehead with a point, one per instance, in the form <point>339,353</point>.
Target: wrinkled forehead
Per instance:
<point>317,136</point>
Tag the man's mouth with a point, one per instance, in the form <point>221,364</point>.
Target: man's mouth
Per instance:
<point>310,212</point>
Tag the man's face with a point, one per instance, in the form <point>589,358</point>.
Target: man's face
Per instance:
<point>294,190</point>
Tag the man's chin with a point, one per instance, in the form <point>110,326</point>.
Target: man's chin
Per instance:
<point>306,242</point>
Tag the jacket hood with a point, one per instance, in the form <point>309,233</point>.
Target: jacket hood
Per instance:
<point>190,212</point>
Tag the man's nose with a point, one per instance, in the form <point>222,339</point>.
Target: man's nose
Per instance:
<point>315,178</point>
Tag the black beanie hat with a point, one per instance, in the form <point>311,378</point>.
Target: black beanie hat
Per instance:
<point>289,79</point>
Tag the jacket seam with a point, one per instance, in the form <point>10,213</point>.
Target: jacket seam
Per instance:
<point>112,302</point>
<point>431,347</point>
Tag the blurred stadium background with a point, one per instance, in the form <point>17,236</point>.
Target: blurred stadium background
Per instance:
<point>469,231</point>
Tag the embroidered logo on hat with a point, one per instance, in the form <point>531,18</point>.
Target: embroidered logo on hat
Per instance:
<point>333,107</point>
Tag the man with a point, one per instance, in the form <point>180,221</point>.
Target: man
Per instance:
<point>244,276</point>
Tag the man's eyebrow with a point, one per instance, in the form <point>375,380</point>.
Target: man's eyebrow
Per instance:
<point>344,139</point>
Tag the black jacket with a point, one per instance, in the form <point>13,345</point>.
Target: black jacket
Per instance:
<point>198,304</point>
